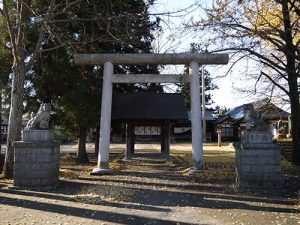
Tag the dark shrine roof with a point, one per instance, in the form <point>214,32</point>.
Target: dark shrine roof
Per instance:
<point>148,106</point>
<point>264,107</point>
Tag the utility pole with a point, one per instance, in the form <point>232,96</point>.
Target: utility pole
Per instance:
<point>203,104</point>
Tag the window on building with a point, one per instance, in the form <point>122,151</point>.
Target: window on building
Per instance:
<point>227,130</point>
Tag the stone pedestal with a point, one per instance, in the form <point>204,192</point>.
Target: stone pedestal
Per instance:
<point>37,135</point>
<point>258,161</point>
<point>36,160</point>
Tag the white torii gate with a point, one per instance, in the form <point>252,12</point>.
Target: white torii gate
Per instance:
<point>193,59</point>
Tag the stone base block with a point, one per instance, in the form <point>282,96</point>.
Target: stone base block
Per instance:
<point>258,168</point>
<point>36,164</point>
<point>37,135</point>
<point>256,137</point>
<point>101,171</point>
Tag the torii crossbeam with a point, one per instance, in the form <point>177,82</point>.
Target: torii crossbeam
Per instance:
<point>192,59</point>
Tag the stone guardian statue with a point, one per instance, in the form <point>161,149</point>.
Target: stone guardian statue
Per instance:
<point>253,121</point>
<point>41,120</point>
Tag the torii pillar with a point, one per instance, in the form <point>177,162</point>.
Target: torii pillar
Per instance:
<point>193,59</point>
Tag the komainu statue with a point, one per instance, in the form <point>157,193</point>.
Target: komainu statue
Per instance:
<point>41,119</point>
<point>253,120</point>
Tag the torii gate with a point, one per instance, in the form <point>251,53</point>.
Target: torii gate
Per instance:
<point>109,78</point>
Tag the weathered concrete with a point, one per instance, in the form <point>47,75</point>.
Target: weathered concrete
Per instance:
<point>258,162</point>
<point>203,104</point>
<point>105,122</point>
<point>150,78</point>
<point>196,117</point>
<point>256,137</point>
<point>136,59</point>
<point>36,164</point>
<point>37,135</point>
<point>219,132</point>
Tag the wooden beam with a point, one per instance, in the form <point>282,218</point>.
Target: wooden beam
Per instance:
<point>165,139</point>
<point>129,151</point>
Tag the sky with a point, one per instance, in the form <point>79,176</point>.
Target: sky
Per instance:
<point>172,41</point>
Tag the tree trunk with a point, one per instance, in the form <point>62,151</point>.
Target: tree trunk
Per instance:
<point>0,126</point>
<point>18,39</point>
<point>97,140</point>
<point>1,165</point>
<point>290,52</point>
<point>295,116</point>
<point>81,153</point>
<point>15,115</point>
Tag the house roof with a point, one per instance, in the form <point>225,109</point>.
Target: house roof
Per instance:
<point>269,111</point>
<point>148,106</point>
<point>221,119</point>
<point>265,108</point>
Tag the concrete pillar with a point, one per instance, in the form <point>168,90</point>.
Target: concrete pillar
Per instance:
<point>104,142</point>
<point>219,138</point>
<point>203,104</point>
<point>196,118</point>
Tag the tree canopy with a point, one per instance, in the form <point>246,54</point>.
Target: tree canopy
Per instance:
<point>37,27</point>
<point>267,34</point>
<point>75,91</point>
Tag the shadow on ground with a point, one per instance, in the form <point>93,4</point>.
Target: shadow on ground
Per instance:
<point>153,187</point>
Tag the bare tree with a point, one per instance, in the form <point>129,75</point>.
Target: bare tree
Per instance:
<point>16,15</point>
<point>266,32</point>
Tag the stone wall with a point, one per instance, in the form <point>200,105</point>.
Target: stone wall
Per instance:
<point>258,164</point>
<point>36,163</point>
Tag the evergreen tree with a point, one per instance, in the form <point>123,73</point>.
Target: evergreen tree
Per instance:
<point>209,85</point>
<point>37,26</point>
<point>74,91</point>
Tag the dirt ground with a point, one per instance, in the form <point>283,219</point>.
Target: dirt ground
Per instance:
<point>148,190</point>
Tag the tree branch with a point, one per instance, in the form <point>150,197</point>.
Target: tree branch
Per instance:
<point>41,35</point>
<point>258,55</point>
<point>10,27</point>
<point>275,83</point>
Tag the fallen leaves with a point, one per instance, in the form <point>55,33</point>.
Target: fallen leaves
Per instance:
<point>65,173</point>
